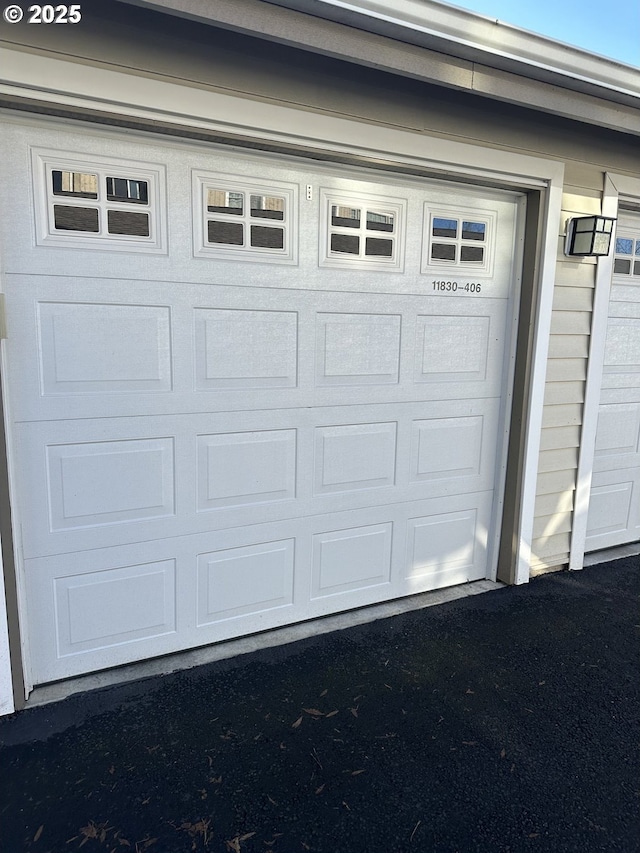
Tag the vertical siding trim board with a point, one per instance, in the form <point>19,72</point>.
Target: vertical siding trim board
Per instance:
<point>6,682</point>
<point>615,186</point>
<point>537,382</point>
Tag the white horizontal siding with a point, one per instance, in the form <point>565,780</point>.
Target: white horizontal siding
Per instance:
<point>559,438</point>
<point>556,482</point>
<point>563,392</point>
<point>547,526</point>
<point>567,414</point>
<point>553,503</point>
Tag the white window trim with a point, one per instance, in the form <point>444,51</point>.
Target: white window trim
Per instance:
<point>477,270</point>
<point>632,258</point>
<point>203,181</point>
<point>616,187</point>
<point>44,161</point>
<point>365,201</point>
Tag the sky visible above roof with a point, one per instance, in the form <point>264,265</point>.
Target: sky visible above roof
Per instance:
<point>610,28</point>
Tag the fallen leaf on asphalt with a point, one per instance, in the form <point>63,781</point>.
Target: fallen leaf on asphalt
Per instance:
<point>469,690</point>
<point>297,723</point>
<point>503,752</point>
<point>357,772</point>
<point>320,789</point>
<point>354,711</point>
<point>94,831</point>
<point>324,693</point>
<point>234,843</point>
<point>38,833</point>
<point>313,712</point>
<point>331,714</point>
<point>201,827</point>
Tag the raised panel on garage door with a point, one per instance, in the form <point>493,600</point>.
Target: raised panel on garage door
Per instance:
<point>614,507</point>
<point>297,409</point>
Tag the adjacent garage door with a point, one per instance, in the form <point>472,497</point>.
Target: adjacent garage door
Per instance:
<point>614,508</point>
<point>243,392</point>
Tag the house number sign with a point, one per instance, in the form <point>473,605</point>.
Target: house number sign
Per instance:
<point>459,288</point>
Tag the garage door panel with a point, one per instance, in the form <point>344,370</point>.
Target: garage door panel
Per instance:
<point>115,605</point>
<point>104,359</point>
<point>624,298</point>
<point>107,482</point>
<point>244,581</point>
<point>245,350</point>
<point>107,349</point>
<point>618,437</point>
<point>357,349</point>
<point>246,468</point>
<point>170,476</point>
<point>614,509</point>
<point>240,424</point>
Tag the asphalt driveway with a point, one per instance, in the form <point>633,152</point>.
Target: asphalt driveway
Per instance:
<point>507,721</point>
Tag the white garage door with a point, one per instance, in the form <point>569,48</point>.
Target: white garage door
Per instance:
<point>614,508</point>
<point>244,392</point>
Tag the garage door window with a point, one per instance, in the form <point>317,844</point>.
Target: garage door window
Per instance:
<point>114,205</point>
<point>459,239</point>
<point>360,230</point>
<point>239,220</point>
<point>627,256</point>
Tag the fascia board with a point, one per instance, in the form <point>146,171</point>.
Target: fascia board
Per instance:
<point>389,46</point>
<point>428,24</point>
<point>484,39</point>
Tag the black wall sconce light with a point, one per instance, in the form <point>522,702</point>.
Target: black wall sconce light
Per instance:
<point>589,236</point>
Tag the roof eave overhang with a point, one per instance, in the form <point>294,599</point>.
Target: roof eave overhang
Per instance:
<point>440,44</point>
